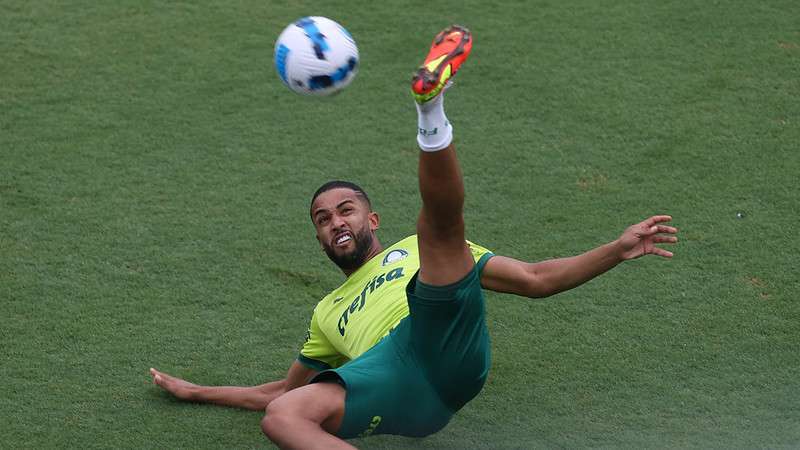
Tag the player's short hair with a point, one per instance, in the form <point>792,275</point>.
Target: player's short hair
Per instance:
<point>335,184</point>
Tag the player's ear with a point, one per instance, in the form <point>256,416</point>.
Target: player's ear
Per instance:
<point>374,221</point>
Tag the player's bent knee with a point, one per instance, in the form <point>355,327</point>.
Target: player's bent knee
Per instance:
<point>273,422</point>
<point>321,403</point>
<point>278,416</point>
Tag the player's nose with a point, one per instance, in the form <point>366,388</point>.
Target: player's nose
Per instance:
<point>338,222</point>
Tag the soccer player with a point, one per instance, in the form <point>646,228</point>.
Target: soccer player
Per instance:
<point>402,344</point>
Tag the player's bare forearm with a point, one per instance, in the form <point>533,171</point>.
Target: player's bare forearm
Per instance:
<point>546,278</point>
<point>562,274</point>
<point>247,397</point>
<point>255,398</point>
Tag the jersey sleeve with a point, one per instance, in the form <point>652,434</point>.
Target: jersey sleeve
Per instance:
<point>318,353</point>
<point>480,254</point>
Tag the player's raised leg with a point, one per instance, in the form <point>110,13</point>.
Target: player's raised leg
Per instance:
<point>444,255</point>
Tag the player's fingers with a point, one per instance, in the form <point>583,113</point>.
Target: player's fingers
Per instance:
<point>665,239</point>
<point>662,252</point>
<point>158,377</point>
<point>649,231</point>
<point>666,229</point>
<point>657,219</point>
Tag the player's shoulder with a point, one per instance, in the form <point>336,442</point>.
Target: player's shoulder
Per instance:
<point>400,250</point>
<point>406,242</point>
<point>477,248</point>
<point>408,246</point>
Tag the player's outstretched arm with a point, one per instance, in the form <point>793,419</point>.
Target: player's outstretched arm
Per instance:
<point>255,398</point>
<point>546,278</point>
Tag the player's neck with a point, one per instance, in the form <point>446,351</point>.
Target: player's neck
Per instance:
<point>375,249</point>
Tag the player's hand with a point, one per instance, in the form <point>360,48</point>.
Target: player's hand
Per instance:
<point>640,239</point>
<point>181,389</point>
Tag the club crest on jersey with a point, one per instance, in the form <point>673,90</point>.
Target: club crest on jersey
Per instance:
<point>394,256</point>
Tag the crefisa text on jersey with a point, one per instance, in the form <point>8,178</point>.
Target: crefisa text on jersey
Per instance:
<point>361,300</point>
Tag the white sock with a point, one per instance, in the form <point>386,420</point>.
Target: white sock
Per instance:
<point>434,131</point>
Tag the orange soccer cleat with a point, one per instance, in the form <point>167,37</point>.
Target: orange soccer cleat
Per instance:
<point>450,48</point>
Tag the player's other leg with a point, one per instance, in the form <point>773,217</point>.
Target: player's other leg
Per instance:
<point>444,255</point>
<point>307,418</point>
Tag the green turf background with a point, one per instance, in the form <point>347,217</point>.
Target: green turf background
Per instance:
<point>155,178</point>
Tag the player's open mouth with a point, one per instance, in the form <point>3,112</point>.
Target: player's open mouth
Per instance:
<point>342,239</point>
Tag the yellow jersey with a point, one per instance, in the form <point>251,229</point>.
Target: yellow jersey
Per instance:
<point>365,308</point>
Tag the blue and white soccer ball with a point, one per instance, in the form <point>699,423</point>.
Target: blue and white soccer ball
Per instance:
<point>316,56</point>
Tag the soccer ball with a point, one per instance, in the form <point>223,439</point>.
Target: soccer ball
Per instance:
<point>316,56</point>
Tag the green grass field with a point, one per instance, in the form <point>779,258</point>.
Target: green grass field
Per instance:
<point>155,179</point>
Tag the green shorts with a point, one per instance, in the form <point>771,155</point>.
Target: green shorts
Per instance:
<point>434,362</point>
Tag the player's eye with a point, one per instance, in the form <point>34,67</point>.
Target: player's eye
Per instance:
<point>322,220</point>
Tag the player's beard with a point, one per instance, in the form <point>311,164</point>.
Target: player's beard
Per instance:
<point>355,259</point>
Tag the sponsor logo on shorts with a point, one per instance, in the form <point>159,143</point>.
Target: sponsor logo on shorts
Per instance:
<point>372,426</point>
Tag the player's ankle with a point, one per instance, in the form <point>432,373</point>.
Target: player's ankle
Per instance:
<point>434,131</point>
<point>436,139</point>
